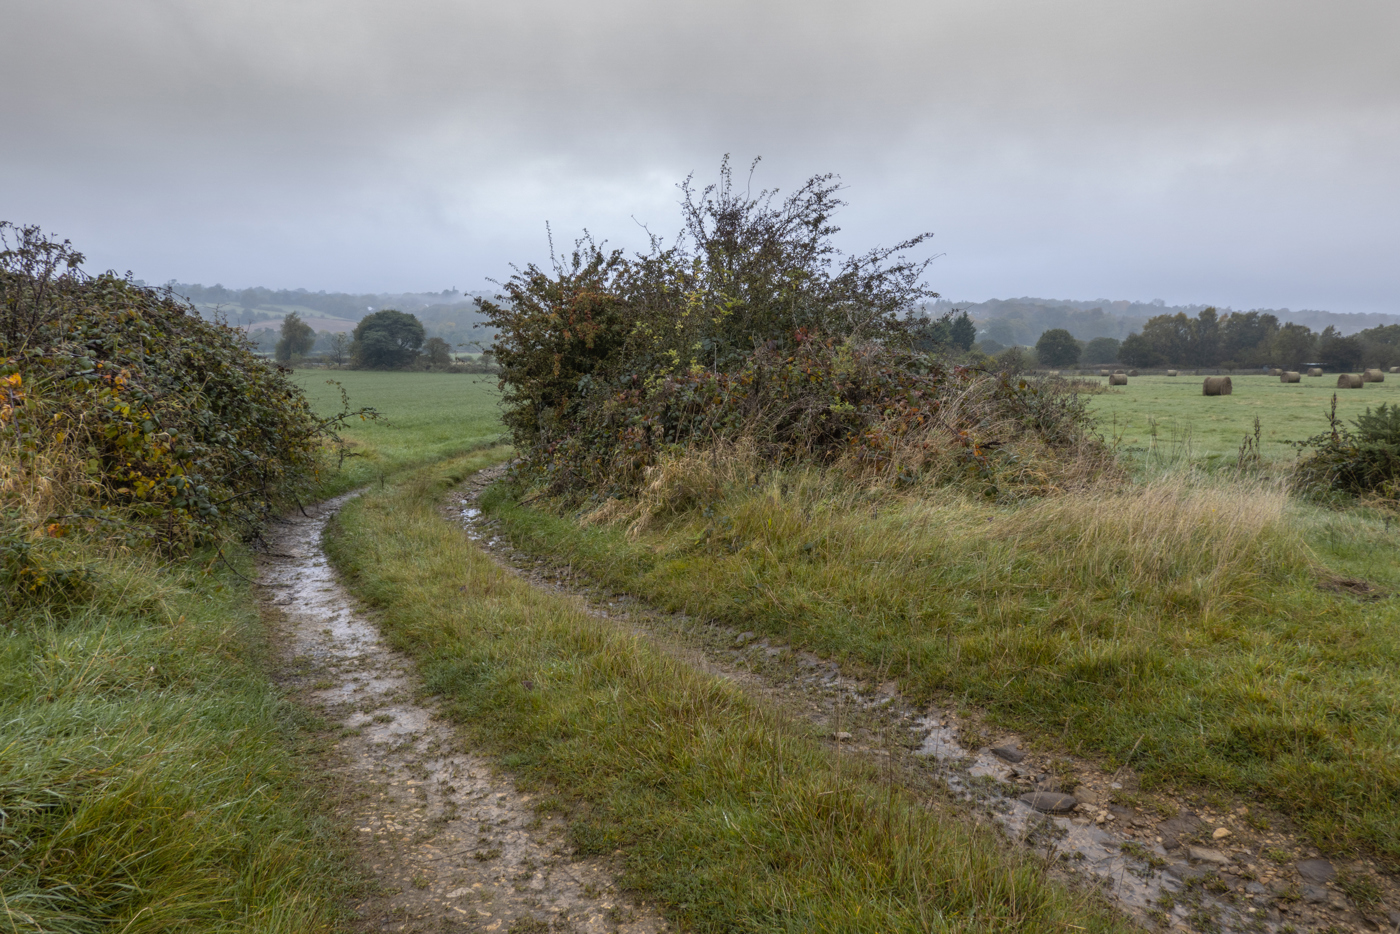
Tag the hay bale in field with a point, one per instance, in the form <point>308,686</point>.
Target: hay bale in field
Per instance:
<point>1118,379</point>
<point>1171,372</point>
<point>1315,371</point>
<point>1053,373</point>
<point>1132,372</point>
<point>1350,381</point>
<point>1217,386</point>
<point>1373,375</point>
<point>1105,373</point>
<point>1290,376</point>
<point>1394,369</point>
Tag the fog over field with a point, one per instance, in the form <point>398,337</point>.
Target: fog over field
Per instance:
<point>1237,154</point>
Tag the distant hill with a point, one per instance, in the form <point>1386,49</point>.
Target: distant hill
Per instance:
<point>1022,320</point>
<point>448,314</point>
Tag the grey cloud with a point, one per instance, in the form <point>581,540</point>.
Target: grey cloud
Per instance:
<point>1235,152</point>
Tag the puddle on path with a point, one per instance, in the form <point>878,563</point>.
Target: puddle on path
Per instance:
<point>1118,850</point>
<point>450,844</point>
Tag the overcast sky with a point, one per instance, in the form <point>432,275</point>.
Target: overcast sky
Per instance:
<point>1240,152</point>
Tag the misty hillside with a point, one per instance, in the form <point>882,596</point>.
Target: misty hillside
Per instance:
<point>448,314</point>
<point>452,315</point>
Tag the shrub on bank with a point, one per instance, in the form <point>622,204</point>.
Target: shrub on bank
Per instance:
<point>754,326</point>
<point>125,413</point>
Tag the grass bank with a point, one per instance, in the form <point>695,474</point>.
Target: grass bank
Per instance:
<point>148,775</point>
<point>1177,625</point>
<point>732,817</point>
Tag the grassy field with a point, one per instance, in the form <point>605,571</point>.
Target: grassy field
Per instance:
<point>736,818</point>
<point>148,771</point>
<point>1169,416</point>
<point>423,417</point>
<point>1180,624</point>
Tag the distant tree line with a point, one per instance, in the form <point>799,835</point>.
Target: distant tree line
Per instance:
<point>1242,340</point>
<point>383,340</point>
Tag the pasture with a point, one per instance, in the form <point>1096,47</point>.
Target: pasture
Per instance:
<point>1167,417</point>
<point>423,417</point>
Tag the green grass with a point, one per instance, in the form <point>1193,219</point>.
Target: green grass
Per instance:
<point>731,816</point>
<point>1178,622</point>
<point>149,779</point>
<point>1171,416</point>
<point>424,417</point>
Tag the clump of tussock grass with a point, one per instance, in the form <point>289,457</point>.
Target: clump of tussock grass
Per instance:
<point>1196,541</point>
<point>147,779</point>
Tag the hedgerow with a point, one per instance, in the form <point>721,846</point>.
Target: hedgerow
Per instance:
<point>125,414</point>
<point>754,326</point>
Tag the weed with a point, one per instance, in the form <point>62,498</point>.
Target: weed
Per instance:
<point>1361,887</point>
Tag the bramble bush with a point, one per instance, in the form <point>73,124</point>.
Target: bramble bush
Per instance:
<point>1360,462</point>
<point>125,414</point>
<point>753,326</point>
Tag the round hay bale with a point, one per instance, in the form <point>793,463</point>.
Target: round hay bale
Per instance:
<point>1394,369</point>
<point>1373,376</point>
<point>1349,381</point>
<point>1118,379</point>
<point>1290,376</point>
<point>1315,371</point>
<point>1053,373</point>
<point>1171,372</point>
<point>1105,373</point>
<point>1275,371</point>
<point>1132,372</point>
<point>1118,371</point>
<point>1217,386</point>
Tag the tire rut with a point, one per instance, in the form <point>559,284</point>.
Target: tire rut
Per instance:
<point>447,842</point>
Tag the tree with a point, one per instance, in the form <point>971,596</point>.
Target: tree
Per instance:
<point>340,348</point>
<point>1337,352</point>
<point>1203,344</point>
<point>386,340</point>
<point>1057,347</point>
<point>962,333</point>
<point>1101,350</point>
<point>1137,350</point>
<point>1294,345</point>
<point>438,352</point>
<point>1014,360</point>
<point>298,338</point>
<point>1246,338</point>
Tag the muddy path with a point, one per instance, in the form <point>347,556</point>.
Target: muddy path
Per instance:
<point>1173,862</point>
<point>447,842</point>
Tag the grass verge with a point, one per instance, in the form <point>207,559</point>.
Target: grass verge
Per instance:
<point>1176,625</point>
<point>732,817</point>
<point>148,775</point>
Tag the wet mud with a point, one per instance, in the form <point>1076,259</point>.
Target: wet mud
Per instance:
<point>446,842</point>
<point>1170,862</point>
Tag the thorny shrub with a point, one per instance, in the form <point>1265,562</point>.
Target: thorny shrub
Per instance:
<point>1360,462</point>
<point>124,413</point>
<point>754,327</point>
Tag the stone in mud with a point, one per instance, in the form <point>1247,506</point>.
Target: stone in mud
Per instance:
<point>841,736</point>
<point>1314,894</point>
<point>1318,871</point>
<point>1182,825</point>
<point>1008,753</point>
<point>1204,854</point>
<point>1086,795</point>
<point>744,638</point>
<point>1051,802</point>
<point>1394,917</point>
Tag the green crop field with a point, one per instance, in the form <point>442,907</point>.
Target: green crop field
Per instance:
<point>423,416</point>
<point>1169,417</point>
